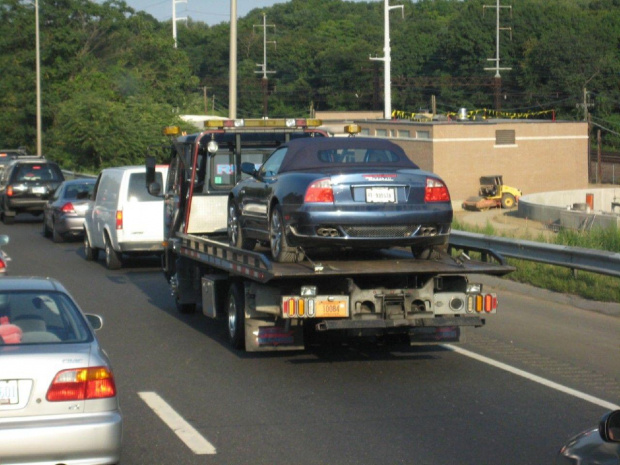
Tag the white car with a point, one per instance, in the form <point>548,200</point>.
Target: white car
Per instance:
<point>123,217</point>
<point>58,399</point>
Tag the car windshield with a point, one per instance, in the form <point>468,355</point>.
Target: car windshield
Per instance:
<point>37,172</point>
<point>37,317</point>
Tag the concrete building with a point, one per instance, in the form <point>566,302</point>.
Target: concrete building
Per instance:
<point>532,155</point>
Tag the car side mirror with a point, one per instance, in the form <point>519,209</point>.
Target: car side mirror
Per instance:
<point>248,168</point>
<point>154,188</point>
<point>95,321</point>
<point>609,427</point>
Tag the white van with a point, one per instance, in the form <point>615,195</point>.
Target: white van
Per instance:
<point>123,217</point>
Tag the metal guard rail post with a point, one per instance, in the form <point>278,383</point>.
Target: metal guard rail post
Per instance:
<point>575,258</point>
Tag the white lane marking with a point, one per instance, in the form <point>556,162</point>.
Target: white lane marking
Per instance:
<point>532,377</point>
<point>192,438</point>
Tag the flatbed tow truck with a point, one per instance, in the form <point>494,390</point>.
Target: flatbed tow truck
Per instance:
<point>281,306</point>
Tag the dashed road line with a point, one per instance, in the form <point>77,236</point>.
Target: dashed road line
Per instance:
<point>192,438</point>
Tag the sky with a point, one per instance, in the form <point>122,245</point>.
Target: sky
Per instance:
<point>207,11</point>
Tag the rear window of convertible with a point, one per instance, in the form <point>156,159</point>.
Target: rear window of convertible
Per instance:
<point>357,156</point>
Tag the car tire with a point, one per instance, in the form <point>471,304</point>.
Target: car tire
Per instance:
<point>46,231</point>
<point>508,201</point>
<point>90,253</point>
<point>56,236</point>
<point>236,316</point>
<point>112,257</point>
<point>280,250</point>
<point>236,236</point>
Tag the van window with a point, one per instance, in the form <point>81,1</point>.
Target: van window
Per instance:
<point>137,187</point>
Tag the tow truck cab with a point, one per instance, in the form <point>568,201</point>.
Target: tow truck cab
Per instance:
<point>205,166</point>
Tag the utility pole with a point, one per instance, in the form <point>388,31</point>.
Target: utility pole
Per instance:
<point>175,19</point>
<point>38,77</point>
<point>232,65</point>
<point>263,65</point>
<point>204,96</point>
<point>498,79</point>
<point>387,59</point>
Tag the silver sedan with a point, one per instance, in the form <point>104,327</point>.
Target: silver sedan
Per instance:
<point>58,399</point>
<point>63,214</point>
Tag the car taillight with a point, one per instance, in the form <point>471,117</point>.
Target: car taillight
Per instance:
<point>9,191</point>
<point>67,208</point>
<point>2,266</point>
<point>436,191</point>
<point>320,191</point>
<point>119,219</point>
<point>82,384</point>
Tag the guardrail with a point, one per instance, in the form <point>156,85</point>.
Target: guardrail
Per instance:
<point>575,258</point>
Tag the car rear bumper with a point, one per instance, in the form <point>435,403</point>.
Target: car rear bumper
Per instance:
<point>70,225</point>
<point>26,205</point>
<point>369,228</point>
<point>82,439</point>
<point>146,247</point>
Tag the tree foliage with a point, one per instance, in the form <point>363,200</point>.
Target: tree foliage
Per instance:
<point>111,77</point>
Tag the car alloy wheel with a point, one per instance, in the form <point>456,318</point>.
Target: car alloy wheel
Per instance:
<point>280,250</point>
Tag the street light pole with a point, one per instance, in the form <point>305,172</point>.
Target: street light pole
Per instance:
<point>387,59</point>
<point>232,73</point>
<point>38,75</point>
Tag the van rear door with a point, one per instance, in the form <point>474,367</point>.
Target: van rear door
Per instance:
<point>142,213</point>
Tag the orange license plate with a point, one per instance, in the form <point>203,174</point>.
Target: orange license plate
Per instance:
<point>332,309</point>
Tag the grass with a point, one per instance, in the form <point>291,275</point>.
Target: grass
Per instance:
<point>588,285</point>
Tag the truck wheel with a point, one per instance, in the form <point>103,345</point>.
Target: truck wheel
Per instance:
<point>90,253</point>
<point>236,316</point>
<point>112,257</point>
<point>508,201</point>
<point>280,250</point>
<point>236,237</point>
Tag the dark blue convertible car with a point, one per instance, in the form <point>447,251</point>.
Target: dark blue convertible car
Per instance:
<point>350,192</point>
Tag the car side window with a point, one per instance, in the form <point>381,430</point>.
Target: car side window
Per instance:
<point>271,167</point>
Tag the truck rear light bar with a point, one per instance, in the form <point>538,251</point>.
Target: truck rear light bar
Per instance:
<point>479,303</point>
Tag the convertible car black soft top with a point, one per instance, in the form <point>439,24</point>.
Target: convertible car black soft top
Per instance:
<point>319,153</point>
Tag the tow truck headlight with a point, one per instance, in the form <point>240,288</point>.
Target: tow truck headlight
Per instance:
<point>290,123</point>
<point>239,123</point>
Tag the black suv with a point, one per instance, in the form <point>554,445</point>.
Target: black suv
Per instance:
<point>25,186</point>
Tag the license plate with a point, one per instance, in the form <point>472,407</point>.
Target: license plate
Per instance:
<point>331,309</point>
<point>39,190</point>
<point>381,195</point>
<point>8,392</point>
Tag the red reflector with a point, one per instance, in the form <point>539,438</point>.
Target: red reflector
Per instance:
<point>119,219</point>
<point>81,384</point>
<point>488,303</point>
<point>320,191</point>
<point>436,191</point>
<point>67,208</point>
<point>9,191</point>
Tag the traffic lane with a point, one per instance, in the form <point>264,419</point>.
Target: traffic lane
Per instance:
<point>362,403</point>
<point>571,346</point>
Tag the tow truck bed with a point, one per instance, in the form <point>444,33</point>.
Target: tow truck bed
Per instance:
<point>215,252</point>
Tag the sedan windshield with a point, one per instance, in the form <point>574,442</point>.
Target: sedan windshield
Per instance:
<point>36,317</point>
